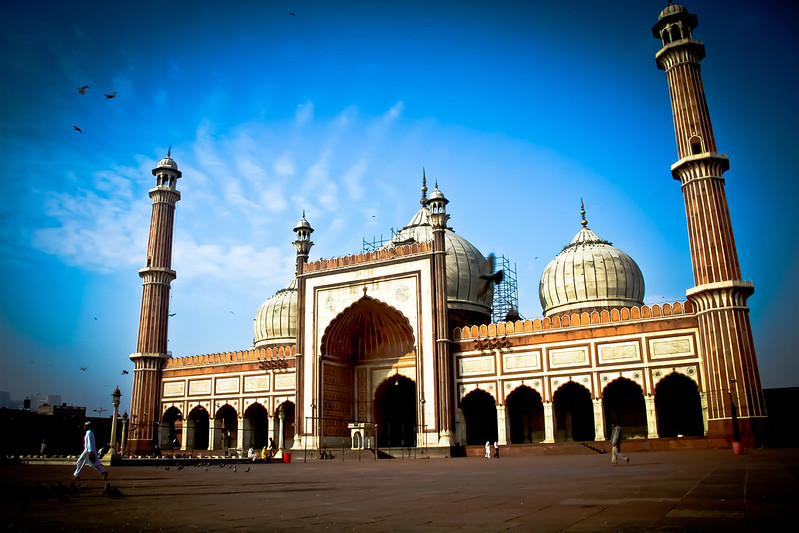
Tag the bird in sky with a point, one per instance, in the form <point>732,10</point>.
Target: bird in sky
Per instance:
<point>486,279</point>
<point>292,14</point>
<point>125,372</point>
<point>77,129</point>
<point>83,368</point>
<point>82,90</point>
<point>172,314</point>
<point>109,96</point>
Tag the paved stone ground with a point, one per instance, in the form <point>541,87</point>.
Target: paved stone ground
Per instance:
<point>691,490</point>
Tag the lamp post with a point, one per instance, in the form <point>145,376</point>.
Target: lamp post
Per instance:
<point>115,396</point>
<point>736,434</point>
<point>124,432</point>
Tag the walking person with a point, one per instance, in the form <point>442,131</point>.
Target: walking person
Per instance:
<point>615,446</point>
<point>488,450</point>
<point>89,454</point>
<point>496,449</point>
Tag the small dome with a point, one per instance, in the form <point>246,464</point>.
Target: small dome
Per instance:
<point>167,162</point>
<point>465,263</point>
<point>437,195</point>
<point>672,9</point>
<point>590,274</point>
<point>303,223</point>
<point>276,319</point>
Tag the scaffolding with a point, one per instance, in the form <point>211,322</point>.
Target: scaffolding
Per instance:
<point>506,293</point>
<point>377,242</point>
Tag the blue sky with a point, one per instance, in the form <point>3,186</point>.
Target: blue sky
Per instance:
<point>517,109</point>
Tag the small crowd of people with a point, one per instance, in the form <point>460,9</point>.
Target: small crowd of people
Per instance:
<point>268,452</point>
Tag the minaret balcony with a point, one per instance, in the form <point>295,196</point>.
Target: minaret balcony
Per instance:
<point>705,165</point>
<point>677,52</point>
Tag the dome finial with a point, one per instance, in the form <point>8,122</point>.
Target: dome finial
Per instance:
<point>582,213</point>
<point>424,188</point>
<point>169,151</point>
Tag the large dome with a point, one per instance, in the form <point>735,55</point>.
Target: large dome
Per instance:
<point>465,264</point>
<point>590,274</point>
<point>276,319</point>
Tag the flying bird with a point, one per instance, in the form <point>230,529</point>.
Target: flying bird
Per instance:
<point>486,279</point>
<point>109,96</point>
<point>77,129</point>
<point>292,14</point>
<point>125,372</point>
<point>84,368</point>
<point>172,314</point>
<point>82,90</point>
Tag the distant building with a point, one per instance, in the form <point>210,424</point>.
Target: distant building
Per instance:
<point>394,346</point>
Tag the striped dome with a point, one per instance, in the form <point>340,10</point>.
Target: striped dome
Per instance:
<point>590,274</point>
<point>276,319</point>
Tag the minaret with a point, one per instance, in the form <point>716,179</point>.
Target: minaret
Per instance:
<point>151,350</point>
<point>730,377</point>
<point>437,205</point>
<point>303,245</point>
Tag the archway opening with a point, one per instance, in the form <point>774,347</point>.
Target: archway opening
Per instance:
<point>623,402</point>
<point>171,429</point>
<point>256,420</point>
<point>395,412</point>
<point>678,407</point>
<point>198,429</point>
<point>287,408</point>
<point>526,415</point>
<point>480,415</point>
<point>227,427</point>
<point>574,413</point>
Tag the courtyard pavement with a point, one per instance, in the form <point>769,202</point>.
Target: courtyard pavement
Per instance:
<point>686,490</point>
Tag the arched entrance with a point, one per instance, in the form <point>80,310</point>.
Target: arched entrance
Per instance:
<point>480,414</point>
<point>226,430</point>
<point>623,402</point>
<point>678,407</point>
<point>255,427</point>
<point>574,413</point>
<point>395,412</point>
<point>198,430</point>
<point>368,337</point>
<point>525,415</point>
<point>171,429</point>
<point>286,430</point>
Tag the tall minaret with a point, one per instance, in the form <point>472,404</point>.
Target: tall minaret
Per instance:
<point>732,392</point>
<point>303,245</point>
<point>151,349</point>
<point>437,205</point>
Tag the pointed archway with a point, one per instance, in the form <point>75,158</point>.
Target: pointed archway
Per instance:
<point>525,415</point>
<point>678,407</point>
<point>226,431</point>
<point>623,403</point>
<point>369,333</point>
<point>574,413</point>
<point>171,429</point>
<point>255,426</point>
<point>395,412</point>
<point>198,430</point>
<point>480,414</point>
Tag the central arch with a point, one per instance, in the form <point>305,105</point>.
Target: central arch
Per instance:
<point>525,415</point>
<point>574,413</point>
<point>395,412</point>
<point>369,334</point>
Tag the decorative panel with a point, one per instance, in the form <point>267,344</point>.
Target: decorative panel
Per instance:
<point>568,356</point>
<point>200,386</point>
<point>256,383</point>
<point>285,382</point>
<point>476,365</point>
<point>619,352</point>
<point>521,361</point>
<point>174,388</point>
<point>673,347</point>
<point>227,385</point>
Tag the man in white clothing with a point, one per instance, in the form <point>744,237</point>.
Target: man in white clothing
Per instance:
<point>89,454</point>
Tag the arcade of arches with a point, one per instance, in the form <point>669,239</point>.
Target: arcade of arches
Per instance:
<point>226,430</point>
<point>574,415</point>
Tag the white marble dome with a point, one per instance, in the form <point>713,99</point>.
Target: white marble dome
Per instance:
<point>590,274</point>
<point>276,319</point>
<point>465,263</point>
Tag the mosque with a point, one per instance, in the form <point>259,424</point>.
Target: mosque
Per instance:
<point>395,348</point>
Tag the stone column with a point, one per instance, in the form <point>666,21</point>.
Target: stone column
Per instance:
<point>549,423</point>
<point>502,425</point>
<point>599,420</point>
<point>703,400</point>
<point>240,436</point>
<point>651,417</point>
<point>281,416</point>
<point>184,434</point>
